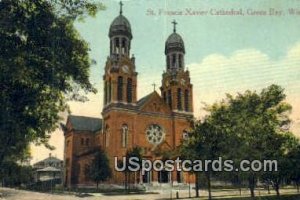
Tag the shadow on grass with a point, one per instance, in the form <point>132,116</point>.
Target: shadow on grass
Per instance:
<point>283,197</point>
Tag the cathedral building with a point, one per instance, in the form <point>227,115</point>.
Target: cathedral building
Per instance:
<point>157,123</point>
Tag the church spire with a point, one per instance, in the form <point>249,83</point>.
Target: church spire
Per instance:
<point>120,35</point>
<point>174,51</point>
<point>176,88</point>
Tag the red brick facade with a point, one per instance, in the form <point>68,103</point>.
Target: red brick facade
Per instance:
<point>127,122</point>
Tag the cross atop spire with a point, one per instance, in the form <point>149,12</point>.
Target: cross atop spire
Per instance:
<point>174,24</point>
<point>121,7</point>
<point>154,86</point>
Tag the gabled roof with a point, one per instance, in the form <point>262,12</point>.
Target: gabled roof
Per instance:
<point>153,103</point>
<point>143,100</point>
<point>82,123</point>
<point>48,160</point>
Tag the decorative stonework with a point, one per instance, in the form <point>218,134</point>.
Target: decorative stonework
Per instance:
<point>155,134</point>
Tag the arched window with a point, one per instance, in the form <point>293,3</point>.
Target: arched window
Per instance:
<point>123,45</point>
<point>174,60</point>
<point>107,135</point>
<point>87,141</point>
<point>117,43</point>
<point>179,103</point>
<point>82,141</point>
<point>120,88</point>
<point>86,172</point>
<point>124,136</point>
<point>111,44</point>
<point>179,176</point>
<point>185,135</point>
<point>129,90</point>
<point>165,97</point>
<point>186,100</point>
<point>180,61</point>
<point>105,92</point>
<point>109,90</point>
<point>170,98</point>
<point>168,62</point>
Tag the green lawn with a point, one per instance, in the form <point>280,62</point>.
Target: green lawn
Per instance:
<point>283,197</point>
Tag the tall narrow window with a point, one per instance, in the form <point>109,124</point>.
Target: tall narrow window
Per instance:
<point>111,44</point>
<point>109,90</point>
<point>105,92</point>
<point>123,45</point>
<point>124,136</point>
<point>87,142</point>
<point>179,104</point>
<point>120,88</point>
<point>186,100</point>
<point>86,170</point>
<point>117,45</point>
<point>129,90</point>
<point>174,60</point>
<point>168,62</point>
<point>107,135</point>
<point>165,97</point>
<point>170,98</point>
<point>180,61</point>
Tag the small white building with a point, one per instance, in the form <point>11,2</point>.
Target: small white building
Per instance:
<point>48,169</point>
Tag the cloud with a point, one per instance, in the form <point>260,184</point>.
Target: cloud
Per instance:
<point>246,69</point>
<point>218,74</point>
<point>214,76</point>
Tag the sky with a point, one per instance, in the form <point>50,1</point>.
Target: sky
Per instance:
<point>224,53</point>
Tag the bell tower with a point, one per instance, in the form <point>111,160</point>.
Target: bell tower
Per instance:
<point>120,78</point>
<point>176,88</point>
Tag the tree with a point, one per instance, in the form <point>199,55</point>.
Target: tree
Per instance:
<point>256,120</point>
<point>99,169</point>
<point>133,152</point>
<point>43,63</point>
<point>294,167</point>
<point>205,143</point>
<point>279,149</point>
<point>14,174</point>
<point>243,127</point>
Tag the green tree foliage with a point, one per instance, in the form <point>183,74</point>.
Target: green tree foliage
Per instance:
<point>13,174</point>
<point>294,165</point>
<point>99,169</point>
<point>205,143</point>
<point>280,147</point>
<point>133,152</point>
<point>249,126</point>
<point>43,62</point>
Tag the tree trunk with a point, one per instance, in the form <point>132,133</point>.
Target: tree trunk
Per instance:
<point>209,185</point>
<point>268,187</point>
<point>197,184</point>
<point>240,185</point>
<point>129,181</point>
<point>97,185</point>
<point>252,192</point>
<point>298,188</point>
<point>126,181</point>
<point>276,188</point>
<point>252,185</point>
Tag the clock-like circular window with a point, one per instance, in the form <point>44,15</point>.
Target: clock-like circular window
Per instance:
<point>155,134</point>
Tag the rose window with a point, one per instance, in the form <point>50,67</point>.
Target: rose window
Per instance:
<point>155,134</point>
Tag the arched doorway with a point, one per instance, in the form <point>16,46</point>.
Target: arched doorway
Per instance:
<point>163,176</point>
